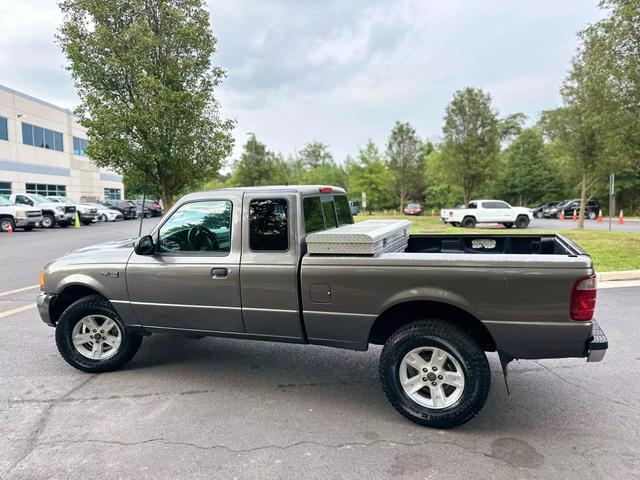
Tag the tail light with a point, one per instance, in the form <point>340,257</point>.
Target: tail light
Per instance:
<point>583,298</point>
<point>326,189</point>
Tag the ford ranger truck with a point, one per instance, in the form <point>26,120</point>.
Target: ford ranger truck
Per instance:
<point>259,264</point>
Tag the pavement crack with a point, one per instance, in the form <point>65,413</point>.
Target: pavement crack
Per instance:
<point>41,423</point>
<point>165,441</point>
<point>577,385</point>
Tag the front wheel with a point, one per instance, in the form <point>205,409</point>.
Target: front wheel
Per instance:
<point>592,215</point>
<point>92,337</point>
<point>48,221</point>
<point>469,222</point>
<point>435,374</point>
<point>7,224</point>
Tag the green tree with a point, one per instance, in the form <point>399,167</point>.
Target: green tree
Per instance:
<point>315,154</point>
<point>143,72</point>
<point>528,173</point>
<point>368,173</point>
<point>472,137</point>
<point>440,192</point>
<point>258,166</point>
<point>405,162</point>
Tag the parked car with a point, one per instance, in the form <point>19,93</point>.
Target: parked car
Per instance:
<point>288,264</point>
<point>538,211</point>
<point>106,214</point>
<point>87,213</point>
<point>21,216</point>
<point>142,210</point>
<point>568,206</point>
<point>413,209</point>
<point>152,206</point>
<point>488,211</point>
<point>127,208</point>
<point>354,205</point>
<point>53,213</point>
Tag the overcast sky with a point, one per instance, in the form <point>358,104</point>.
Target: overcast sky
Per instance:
<point>343,71</point>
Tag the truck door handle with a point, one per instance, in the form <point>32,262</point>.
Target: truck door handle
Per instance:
<point>219,272</point>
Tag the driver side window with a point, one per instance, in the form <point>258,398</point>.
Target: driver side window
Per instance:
<point>198,227</point>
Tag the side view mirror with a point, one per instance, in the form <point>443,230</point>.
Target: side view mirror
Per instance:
<point>144,245</point>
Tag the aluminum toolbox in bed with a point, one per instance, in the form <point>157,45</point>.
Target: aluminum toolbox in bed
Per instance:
<point>371,237</point>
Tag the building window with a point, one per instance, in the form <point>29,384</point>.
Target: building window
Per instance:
<point>268,229</point>
<point>112,194</point>
<point>41,137</point>
<point>4,132</point>
<point>5,189</point>
<point>46,190</point>
<point>80,146</point>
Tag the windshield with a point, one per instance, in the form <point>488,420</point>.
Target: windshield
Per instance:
<point>413,205</point>
<point>39,198</point>
<point>4,201</point>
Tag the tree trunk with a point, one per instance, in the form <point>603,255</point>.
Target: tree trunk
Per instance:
<point>465,195</point>
<point>167,200</point>
<point>583,201</point>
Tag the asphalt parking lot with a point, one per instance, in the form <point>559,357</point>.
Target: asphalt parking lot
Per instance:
<point>219,408</point>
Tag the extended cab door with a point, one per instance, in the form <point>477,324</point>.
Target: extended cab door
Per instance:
<point>192,281</point>
<point>269,266</point>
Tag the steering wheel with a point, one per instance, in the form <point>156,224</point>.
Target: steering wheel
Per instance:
<point>202,239</point>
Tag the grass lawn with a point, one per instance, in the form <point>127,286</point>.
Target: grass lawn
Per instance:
<point>610,251</point>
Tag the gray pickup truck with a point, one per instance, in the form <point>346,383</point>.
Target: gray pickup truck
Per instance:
<point>236,263</point>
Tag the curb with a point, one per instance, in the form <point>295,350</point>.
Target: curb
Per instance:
<point>619,276</point>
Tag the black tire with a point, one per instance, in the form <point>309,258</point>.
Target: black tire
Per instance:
<point>539,215</point>
<point>102,218</point>
<point>469,222</point>
<point>592,215</point>
<point>522,221</point>
<point>441,334</point>
<point>507,225</point>
<point>6,224</point>
<point>558,215</point>
<point>96,305</point>
<point>48,221</point>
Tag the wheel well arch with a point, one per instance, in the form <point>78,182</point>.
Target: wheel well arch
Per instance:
<point>69,295</point>
<point>401,314</point>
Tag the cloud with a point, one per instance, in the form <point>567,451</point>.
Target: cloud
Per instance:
<point>343,72</point>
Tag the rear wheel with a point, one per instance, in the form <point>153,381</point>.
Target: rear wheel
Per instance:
<point>522,221</point>
<point>539,215</point>
<point>469,222</point>
<point>435,374</point>
<point>592,215</point>
<point>507,225</point>
<point>48,221</point>
<point>91,337</point>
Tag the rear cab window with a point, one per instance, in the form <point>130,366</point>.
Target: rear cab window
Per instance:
<point>269,225</point>
<point>322,212</point>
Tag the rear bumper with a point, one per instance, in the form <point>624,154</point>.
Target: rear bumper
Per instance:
<point>597,345</point>
<point>44,302</point>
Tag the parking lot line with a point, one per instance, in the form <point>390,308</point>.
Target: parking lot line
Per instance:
<point>18,290</point>
<point>13,311</point>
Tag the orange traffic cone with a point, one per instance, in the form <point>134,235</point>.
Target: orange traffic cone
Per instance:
<point>10,230</point>
<point>575,216</point>
<point>600,216</point>
<point>621,218</point>
<point>562,215</point>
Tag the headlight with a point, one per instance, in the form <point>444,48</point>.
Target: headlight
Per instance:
<point>21,214</point>
<point>60,209</point>
<point>42,280</point>
<point>553,210</point>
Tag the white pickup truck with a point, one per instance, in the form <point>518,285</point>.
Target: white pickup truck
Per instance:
<point>21,216</point>
<point>487,211</point>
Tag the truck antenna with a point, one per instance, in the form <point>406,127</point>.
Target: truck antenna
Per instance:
<point>144,197</point>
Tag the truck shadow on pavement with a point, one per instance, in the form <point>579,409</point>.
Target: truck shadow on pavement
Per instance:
<point>346,383</point>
